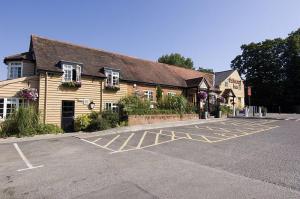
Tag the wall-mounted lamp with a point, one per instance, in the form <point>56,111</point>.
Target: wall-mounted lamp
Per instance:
<point>134,85</point>
<point>92,105</point>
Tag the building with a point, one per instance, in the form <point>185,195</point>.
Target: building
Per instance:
<point>231,87</point>
<point>71,80</point>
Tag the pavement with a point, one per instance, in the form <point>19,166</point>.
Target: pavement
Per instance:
<point>232,158</point>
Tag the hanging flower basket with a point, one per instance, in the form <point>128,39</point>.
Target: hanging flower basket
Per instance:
<point>71,84</point>
<point>29,94</point>
<point>112,88</point>
<point>202,95</point>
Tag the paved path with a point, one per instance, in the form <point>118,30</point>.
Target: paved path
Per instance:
<point>236,158</point>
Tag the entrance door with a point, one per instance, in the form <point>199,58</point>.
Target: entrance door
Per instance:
<point>67,115</point>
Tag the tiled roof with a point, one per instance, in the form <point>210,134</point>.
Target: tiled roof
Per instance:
<point>20,56</point>
<point>221,76</point>
<point>49,52</point>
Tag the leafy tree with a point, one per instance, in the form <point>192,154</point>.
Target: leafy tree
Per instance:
<point>206,70</point>
<point>292,69</point>
<point>262,65</point>
<point>158,93</point>
<point>177,60</point>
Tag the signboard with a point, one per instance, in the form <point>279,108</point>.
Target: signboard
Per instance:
<point>249,91</point>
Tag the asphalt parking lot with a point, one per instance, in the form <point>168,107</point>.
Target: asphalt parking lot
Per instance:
<point>237,158</point>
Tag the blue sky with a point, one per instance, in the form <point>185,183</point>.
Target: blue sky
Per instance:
<point>209,31</point>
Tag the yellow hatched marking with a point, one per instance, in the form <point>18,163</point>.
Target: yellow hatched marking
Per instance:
<point>126,142</point>
<point>156,138</point>
<point>97,139</point>
<point>188,136</point>
<point>109,143</point>
<point>141,140</point>
<point>205,138</point>
<point>173,135</point>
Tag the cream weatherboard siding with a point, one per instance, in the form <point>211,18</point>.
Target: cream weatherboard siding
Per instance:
<point>240,92</point>
<point>113,96</point>
<point>9,88</point>
<point>52,95</point>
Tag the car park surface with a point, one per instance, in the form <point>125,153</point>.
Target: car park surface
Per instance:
<point>236,158</point>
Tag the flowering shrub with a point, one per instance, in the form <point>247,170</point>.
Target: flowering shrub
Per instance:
<point>202,95</point>
<point>29,94</point>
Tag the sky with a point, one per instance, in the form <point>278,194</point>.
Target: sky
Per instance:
<point>208,31</point>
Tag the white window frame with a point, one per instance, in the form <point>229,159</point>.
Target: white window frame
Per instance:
<point>110,75</point>
<point>11,65</point>
<point>148,95</point>
<point>112,106</point>
<point>5,103</point>
<point>69,68</point>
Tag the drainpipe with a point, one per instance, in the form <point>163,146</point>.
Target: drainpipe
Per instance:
<point>45,100</point>
<point>101,95</point>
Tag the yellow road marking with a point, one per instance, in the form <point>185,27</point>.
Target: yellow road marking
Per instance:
<point>111,141</point>
<point>96,144</point>
<point>188,136</point>
<point>125,143</point>
<point>97,139</point>
<point>173,135</point>
<point>141,140</point>
<point>156,137</point>
<point>205,138</point>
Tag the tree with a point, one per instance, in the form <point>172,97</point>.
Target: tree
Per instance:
<point>158,93</point>
<point>262,64</point>
<point>177,60</point>
<point>206,70</point>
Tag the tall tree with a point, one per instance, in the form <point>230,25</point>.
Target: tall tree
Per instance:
<point>262,64</point>
<point>292,69</point>
<point>177,60</point>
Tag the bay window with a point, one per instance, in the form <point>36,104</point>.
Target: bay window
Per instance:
<point>15,70</point>
<point>71,73</point>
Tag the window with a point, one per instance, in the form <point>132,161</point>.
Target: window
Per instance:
<point>148,95</point>
<point>111,107</point>
<point>15,70</point>
<point>112,78</point>
<point>8,105</point>
<point>171,94</point>
<point>71,73</point>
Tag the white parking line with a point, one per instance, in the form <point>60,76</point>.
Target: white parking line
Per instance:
<point>125,143</point>
<point>28,164</point>
<point>97,140</point>
<point>96,144</point>
<point>141,140</point>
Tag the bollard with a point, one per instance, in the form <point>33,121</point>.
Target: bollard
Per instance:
<point>206,115</point>
<point>259,111</point>
<point>220,114</point>
<point>246,112</point>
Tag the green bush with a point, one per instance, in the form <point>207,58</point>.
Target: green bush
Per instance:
<point>83,121</point>
<point>48,128</point>
<point>177,103</point>
<point>130,104</point>
<point>111,117</point>
<point>225,110</point>
<point>98,125</point>
<point>25,122</point>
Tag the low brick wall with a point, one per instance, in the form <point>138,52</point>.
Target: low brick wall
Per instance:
<point>151,119</point>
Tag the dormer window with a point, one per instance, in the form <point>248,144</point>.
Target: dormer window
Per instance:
<point>15,70</point>
<point>112,78</point>
<point>72,73</point>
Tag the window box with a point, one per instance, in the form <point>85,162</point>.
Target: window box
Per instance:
<point>71,84</point>
<point>112,88</point>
